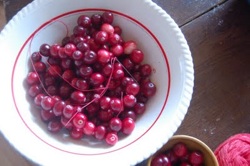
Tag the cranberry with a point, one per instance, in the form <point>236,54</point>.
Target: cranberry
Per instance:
<point>69,49</point>
<point>89,128</point>
<point>160,160</point>
<point>148,89</point>
<point>40,67</point>
<point>82,46</point>
<point>107,17</point>
<point>68,111</point>
<point>111,138</point>
<point>77,55</point>
<point>36,56</point>
<point>46,115</point>
<point>196,158</point>
<point>139,108</point>
<point>105,102</point>
<point>129,47</point>
<point>115,124</point>
<point>47,103</point>
<point>79,120</point>
<point>58,107</point>
<point>78,97</point>
<point>103,56</point>
<point>101,37</point>
<point>45,50</point>
<point>79,31</point>
<point>38,99</point>
<point>100,132</point>
<point>117,50</point>
<point>89,57</point>
<point>132,89</point>
<point>107,28</point>
<point>54,125</point>
<point>96,79</point>
<point>76,133</point>
<point>96,20</point>
<point>180,149</point>
<point>116,105</point>
<point>84,21</point>
<point>32,78</point>
<point>54,49</point>
<point>136,56</point>
<point>128,125</point>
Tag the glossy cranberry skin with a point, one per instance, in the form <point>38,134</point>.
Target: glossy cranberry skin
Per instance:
<point>101,37</point>
<point>100,132</point>
<point>116,105</point>
<point>160,160</point>
<point>78,97</point>
<point>58,107</point>
<point>47,103</point>
<point>148,89</point>
<point>115,124</point>
<point>84,21</point>
<point>89,128</point>
<point>180,149</point>
<point>68,111</point>
<point>39,67</point>
<point>76,133</point>
<point>32,78</point>
<point>128,125</point>
<point>105,102</point>
<point>45,50</point>
<point>107,17</point>
<point>111,138</point>
<point>196,158</point>
<point>35,57</point>
<point>46,115</point>
<point>129,101</point>
<point>54,126</point>
<point>133,89</point>
<point>96,79</point>
<point>38,99</point>
<point>79,120</point>
<point>89,57</point>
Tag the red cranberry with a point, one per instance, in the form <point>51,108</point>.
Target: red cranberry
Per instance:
<point>111,138</point>
<point>160,160</point>
<point>45,50</point>
<point>89,128</point>
<point>196,158</point>
<point>107,17</point>
<point>84,21</point>
<point>128,126</point>
<point>100,132</point>
<point>180,149</point>
<point>79,120</point>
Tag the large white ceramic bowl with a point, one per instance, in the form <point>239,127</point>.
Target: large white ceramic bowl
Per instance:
<point>43,21</point>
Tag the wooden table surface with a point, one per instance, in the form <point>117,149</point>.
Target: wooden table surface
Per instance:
<point>218,33</point>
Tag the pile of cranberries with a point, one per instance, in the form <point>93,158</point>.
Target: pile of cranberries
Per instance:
<point>93,84</point>
<point>178,155</point>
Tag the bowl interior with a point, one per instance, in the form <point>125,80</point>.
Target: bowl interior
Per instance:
<point>192,144</point>
<point>53,32</point>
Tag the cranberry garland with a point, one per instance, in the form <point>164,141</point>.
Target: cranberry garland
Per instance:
<point>93,83</point>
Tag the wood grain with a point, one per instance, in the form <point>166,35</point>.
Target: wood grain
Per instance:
<point>219,41</point>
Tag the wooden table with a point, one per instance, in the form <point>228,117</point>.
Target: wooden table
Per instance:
<point>218,33</point>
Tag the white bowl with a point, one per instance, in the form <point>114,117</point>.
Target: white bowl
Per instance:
<point>43,21</point>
